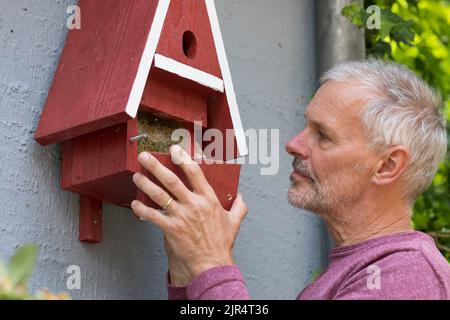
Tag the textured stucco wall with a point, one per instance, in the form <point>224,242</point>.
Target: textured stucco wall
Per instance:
<point>271,49</point>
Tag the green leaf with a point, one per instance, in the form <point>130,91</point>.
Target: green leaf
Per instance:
<point>394,25</point>
<point>402,32</point>
<point>381,50</point>
<point>391,24</point>
<point>354,12</point>
<point>21,265</point>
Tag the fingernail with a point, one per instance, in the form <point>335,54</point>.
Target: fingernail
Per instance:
<point>143,156</point>
<point>175,154</point>
<point>133,204</point>
<point>136,176</point>
<point>175,148</point>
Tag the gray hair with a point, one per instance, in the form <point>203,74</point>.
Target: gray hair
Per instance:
<point>405,111</point>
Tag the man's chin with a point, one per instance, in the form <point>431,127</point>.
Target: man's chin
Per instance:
<point>303,198</point>
<point>296,198</point>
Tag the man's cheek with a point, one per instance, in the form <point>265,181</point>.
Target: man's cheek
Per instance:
<point>324,166</point>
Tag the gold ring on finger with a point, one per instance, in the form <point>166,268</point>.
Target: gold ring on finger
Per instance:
<point>167,203</point>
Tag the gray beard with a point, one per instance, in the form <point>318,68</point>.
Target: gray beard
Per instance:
<point>334,197</point>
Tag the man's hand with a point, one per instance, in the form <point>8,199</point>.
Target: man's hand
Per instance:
<point>199,233</point>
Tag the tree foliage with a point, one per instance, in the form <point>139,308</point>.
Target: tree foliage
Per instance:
<point>416,33</point>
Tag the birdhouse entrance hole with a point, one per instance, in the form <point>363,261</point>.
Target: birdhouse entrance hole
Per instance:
<point>189,44</point>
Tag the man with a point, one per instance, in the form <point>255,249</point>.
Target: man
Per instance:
<point>373,139</point>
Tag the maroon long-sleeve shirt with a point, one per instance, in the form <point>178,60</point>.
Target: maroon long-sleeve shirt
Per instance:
<point>405,265</point>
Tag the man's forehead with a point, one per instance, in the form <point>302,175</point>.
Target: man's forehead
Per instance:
<point>336,106</point>
<point>337,100</point>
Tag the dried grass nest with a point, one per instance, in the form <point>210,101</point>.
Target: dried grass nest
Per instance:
<point>159,132</point>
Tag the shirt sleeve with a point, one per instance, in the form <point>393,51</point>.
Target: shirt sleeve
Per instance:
<point>218,283</point>
<point>174,292</point>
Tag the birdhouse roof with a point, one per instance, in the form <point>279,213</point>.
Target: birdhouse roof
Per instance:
<point>104,66</point>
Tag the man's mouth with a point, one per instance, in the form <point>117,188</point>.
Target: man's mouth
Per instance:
<point>301,171</point>
<point>297,175</point>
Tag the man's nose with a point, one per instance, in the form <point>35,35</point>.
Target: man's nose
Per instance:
<point>297,146</point>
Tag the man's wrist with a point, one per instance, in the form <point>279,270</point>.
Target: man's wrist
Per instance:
<point>179,280</point>
<point>202,267</point>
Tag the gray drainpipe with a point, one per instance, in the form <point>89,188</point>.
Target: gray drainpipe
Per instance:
<point>338,40</point>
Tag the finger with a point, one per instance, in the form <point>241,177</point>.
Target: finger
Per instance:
<point>156,193</point>
<point>165,176</point>
<point>150,214</point>
<point>192,170</point>
<point>238,210</point>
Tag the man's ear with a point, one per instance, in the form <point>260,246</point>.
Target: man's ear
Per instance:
<point>391,166</point>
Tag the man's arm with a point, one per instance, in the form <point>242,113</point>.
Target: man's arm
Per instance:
<point>218,283</point>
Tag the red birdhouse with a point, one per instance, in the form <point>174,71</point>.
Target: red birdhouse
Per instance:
<point>134,72</point>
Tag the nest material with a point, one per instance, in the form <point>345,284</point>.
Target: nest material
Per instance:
<point>159,131</point>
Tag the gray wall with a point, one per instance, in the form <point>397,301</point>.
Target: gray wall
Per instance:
<point>271,49</point>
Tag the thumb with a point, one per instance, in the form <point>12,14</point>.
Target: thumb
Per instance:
<point>238,210</point>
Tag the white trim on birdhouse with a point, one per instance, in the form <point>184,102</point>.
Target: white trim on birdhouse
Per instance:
<point>146,60</point>
<point>188,72</point>
<point>226,76</point>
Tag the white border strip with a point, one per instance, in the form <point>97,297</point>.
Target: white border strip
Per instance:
<point>226,76</point>
<point>188,72</point>
<point>146,59</point>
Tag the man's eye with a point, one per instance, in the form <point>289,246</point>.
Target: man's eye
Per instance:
<point>322,136</point>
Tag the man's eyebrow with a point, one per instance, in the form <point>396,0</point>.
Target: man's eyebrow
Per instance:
<point>321,126</point>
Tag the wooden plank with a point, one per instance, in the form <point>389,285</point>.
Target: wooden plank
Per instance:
<point>188,73</point>
<point>100,154</point>
<point>66,164</point>
<point>165,94</point>
<point>118,189</point>
<point>189,15</point>
<point>97,69</point>
<point>101,164</point>
<point>224,178</point>
<point>219,117</point>
<point>90,225</point>
<point>132,146</point>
